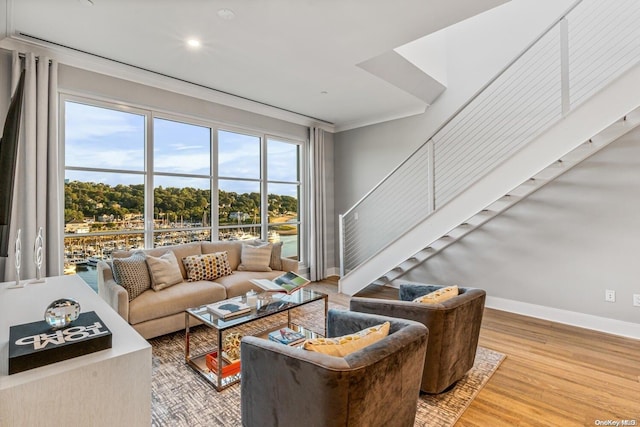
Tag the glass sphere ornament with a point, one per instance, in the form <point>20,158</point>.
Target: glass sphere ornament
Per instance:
<point>62,312</point>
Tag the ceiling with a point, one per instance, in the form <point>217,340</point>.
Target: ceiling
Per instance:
<point>297,55</point>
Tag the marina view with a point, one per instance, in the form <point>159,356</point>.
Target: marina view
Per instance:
<point>96,224</point>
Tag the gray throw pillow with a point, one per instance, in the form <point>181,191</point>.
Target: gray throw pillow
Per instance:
<point>132,274</point>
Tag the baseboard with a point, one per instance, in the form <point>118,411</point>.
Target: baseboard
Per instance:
<point>587,321</point>
<point>333,271</point>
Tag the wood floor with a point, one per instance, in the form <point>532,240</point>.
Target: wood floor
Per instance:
<point>553,375</point>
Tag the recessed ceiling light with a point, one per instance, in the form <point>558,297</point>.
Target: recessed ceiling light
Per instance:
<point>324,92</point>
<point>226,14</point>
<point>194,43</point>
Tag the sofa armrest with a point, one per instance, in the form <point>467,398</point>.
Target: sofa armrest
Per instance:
<point>115,295</point>
<point>289,264</point>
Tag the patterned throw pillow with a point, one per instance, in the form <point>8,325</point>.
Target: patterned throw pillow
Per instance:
<point>439,295</point>
<point>207,266</point>
<point>132,274</point>
<point>164,271</point>
<point>255,258</point>
<point>346,344</point>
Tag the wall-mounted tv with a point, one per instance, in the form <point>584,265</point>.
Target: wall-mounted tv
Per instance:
<point>8,158</point>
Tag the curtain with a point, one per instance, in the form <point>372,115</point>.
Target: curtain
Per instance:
<point>36,197</point>
<point>317,253</point>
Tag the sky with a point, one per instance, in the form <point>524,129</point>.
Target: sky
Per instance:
<point>108,139</point>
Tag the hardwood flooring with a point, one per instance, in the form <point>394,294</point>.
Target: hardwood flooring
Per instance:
<point>554,374</point>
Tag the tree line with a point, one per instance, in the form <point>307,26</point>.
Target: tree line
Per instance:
<point>96,200</point>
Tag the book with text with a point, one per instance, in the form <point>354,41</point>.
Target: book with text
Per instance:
<point>229,308</point>
<point>287,282</point>
<point>286,336</point>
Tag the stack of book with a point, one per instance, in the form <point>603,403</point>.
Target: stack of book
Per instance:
<point>287,336</point>
<point>228,368</point>
<point>229,308</point>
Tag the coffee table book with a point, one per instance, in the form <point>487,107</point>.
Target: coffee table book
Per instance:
<point>36,344</point>
<point>229,308</point>
<point>287,336</point>
<point>288,283</point>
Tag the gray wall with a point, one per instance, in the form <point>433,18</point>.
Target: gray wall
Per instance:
<point>564,245</point>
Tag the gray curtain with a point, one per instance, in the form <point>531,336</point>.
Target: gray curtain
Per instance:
<point>317,206</point>
<point>37,199</point>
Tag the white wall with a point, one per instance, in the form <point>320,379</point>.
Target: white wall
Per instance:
<point>564,245</point>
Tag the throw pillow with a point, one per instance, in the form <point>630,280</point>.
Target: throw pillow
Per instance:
<point>164,271</point>
<point>276,253</point>
<point>344,345</point>
<point>206,266</point>
<point>132,274</point>
<point>255,258</point>
<point>440,295</point>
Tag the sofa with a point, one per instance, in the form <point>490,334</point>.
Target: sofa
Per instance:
<point>154,308</point>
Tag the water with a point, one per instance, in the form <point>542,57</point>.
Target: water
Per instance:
<point>88,274</point>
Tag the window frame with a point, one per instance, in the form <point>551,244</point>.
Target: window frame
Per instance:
<point>149,173</point>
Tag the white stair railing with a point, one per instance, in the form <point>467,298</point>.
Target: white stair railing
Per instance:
<point>588,47</point>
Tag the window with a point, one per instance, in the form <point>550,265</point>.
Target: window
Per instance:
<point>283,174</point>
<point>136,180</point>
<point>181,182</point>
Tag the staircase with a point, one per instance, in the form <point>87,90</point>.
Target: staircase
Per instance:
<point>558,103</point>
<point>517,194</point>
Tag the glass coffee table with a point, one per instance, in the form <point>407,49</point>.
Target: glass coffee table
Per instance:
<point>273,311</point>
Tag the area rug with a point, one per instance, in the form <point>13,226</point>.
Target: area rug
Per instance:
<point>181,397</point>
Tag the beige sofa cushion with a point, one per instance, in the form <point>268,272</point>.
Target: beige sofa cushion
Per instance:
<point>238,283</point>
<point>175,299</point>
<point>164,270</point>
<point>233,249</point>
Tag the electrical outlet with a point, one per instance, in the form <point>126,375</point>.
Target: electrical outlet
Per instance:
<point>636,300</point>
<point>609,295</point>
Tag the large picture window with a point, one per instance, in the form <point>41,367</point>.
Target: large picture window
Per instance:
<point>135,180</point>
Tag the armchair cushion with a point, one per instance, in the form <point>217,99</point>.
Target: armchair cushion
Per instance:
<point>347,344</point>
<point>439,295</point>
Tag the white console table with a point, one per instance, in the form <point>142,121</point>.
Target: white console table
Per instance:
<point>107,388</point>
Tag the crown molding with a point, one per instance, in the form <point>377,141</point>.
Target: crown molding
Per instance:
<point>412,111</point>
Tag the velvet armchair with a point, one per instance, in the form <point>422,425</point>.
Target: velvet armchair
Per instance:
<point>454,329</point>
<point>377,385</point>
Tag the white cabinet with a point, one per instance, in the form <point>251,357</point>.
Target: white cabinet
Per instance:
<point>107,388</point>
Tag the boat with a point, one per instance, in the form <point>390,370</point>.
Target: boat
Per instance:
<point>273,237</point>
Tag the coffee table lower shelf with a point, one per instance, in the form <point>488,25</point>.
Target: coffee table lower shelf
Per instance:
<point>228,378</point>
